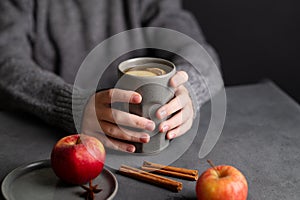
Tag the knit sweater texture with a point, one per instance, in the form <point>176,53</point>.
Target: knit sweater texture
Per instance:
<point>44,42</point>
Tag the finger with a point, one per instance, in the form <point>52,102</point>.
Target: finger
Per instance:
<point>126,119</point>
<point>112,143</point>
<point>178,79</point>
<point>176,120</point>
<point>118,95</point>
<point>173,106</point>
<point>181,89</point>
<point>180,130</point>
<point>120,146</point>
<point>122,133</point>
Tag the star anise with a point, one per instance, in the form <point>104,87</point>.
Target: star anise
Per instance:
<point>90,191</point>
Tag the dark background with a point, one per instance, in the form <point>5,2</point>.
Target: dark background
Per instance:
<point>255,40</point>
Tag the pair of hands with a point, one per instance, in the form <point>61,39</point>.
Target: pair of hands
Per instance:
<point>102,121</point>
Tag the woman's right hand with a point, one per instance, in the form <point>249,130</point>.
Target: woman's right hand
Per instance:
<point>103,121</point>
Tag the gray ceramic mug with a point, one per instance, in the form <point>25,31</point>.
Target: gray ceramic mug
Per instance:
<point>155,91</point>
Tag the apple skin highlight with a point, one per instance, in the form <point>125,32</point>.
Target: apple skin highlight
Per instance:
<point>222,183</point>
<point>77,159</point>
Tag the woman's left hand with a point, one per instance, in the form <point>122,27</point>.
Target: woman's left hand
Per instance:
<point>181,106</point>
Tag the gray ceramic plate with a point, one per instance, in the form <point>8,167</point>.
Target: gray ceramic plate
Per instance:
<point>38,181</point>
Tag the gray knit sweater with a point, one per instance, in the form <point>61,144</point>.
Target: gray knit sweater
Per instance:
<point>43,43</point>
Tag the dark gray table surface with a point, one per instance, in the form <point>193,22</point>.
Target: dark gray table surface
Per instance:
<point>261,137</point>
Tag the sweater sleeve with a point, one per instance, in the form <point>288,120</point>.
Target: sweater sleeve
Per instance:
<point>169,14</point>
<point>24,85</point>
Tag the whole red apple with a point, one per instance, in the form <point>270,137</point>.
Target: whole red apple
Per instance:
<point>77,159</point>
<point>222,183</point>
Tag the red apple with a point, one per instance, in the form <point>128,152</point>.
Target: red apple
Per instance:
<point>77,159</point>
<point>222,183</point>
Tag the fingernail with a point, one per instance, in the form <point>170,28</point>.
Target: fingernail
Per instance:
<point>162,113</point>
<point>130,149</point>
<point>175,81</point>
<point>136,98</point>
<point>165,128</point>
<point>145,138</point>
<point>150,126</point>
<point>171,135</point>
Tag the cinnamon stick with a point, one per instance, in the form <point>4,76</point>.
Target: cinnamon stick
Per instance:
<point>170,173</point>
<point>171,168</point>
<point>151,178</point>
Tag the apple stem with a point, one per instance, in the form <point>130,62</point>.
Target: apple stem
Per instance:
<point>214,167</point>
<point>78,141</point>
